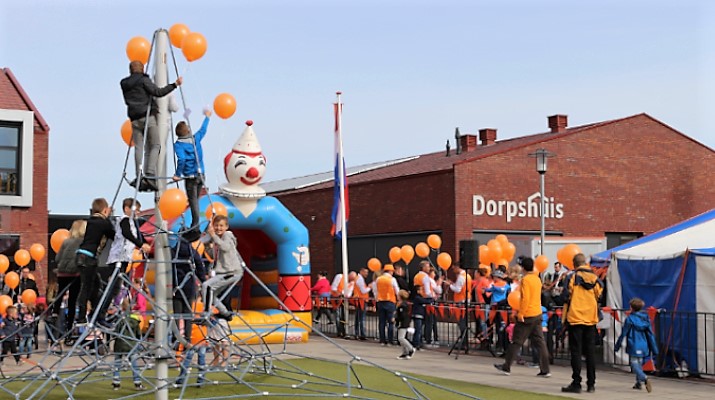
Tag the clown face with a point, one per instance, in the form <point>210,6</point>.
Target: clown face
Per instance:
<point>244,169</point>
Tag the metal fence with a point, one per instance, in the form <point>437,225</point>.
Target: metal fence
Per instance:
<point>686,340</point>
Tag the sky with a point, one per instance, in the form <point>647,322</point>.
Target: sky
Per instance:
<point>410,72</point>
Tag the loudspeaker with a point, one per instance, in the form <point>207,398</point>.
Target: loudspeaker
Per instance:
<point>469,254</point>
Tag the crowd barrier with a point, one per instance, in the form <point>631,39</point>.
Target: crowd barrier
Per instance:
<point>681,336</point>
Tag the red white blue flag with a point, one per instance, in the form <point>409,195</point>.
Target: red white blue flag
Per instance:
<point>340,181</point>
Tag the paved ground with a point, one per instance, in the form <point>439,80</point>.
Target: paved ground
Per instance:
<point>610,384</point>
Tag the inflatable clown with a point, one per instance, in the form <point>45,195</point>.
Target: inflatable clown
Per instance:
<point>273,242</point>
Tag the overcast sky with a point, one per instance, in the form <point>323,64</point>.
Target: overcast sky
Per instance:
<point>410,72</point>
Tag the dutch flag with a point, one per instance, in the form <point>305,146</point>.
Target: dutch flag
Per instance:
<point>337,227</point>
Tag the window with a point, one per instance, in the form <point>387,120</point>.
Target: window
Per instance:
<point>614,239</point>
<point>16,156</point>
<point>9,157</point>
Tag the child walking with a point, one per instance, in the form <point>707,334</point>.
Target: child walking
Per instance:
<point>640,341</point>
<point>9,333</point>
<point>27,332</point>
<point>128,335</point>
<point>228,268</point>
<point>403,324</point>
<point>190,166</point>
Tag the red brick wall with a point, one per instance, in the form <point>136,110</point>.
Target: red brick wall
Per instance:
<point>636,175</point>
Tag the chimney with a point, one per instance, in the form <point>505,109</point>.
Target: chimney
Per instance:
<point>558,123</point>
<point>467,143</point>
<point>488,136</point>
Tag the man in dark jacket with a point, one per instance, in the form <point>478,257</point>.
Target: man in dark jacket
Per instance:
<point>188,266</point>
<point>139,93</point>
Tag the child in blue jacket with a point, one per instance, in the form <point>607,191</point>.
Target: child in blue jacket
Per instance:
<point>640,341</point>
<point>190,165</point>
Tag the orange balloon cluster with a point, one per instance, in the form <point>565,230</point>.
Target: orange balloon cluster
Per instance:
<point>58,237</point>
<point>497,251</point>
<point>215,208</point>
<point>138,49</point>
<point>566,255</point>
<point>126,132</point>
<point>172,203</point>
<point>224,105</point>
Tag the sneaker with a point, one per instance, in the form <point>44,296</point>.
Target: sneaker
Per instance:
<point>543,374</point>
<point>383,344</point>
<point>18,362</point>
<point>572,388</point>
<point>179,382</point>
<point>648,386</point>
<point>403,357</point>
<point>591,389</point>
<point>417,349</point>
<point>80,322</point>
<point>147,185</point>
<point>116,386</point>
<point>637,386</point>
<point>133,183</point>
<point>412,353</point>
<point>362,338</point>
<point>316,322</point>
<point>500,368</point>
<point>138,386</point>
<point>227,316</point>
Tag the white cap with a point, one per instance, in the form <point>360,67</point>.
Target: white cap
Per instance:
<point>248,142</point>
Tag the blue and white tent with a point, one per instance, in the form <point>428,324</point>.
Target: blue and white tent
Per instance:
<point>672,270</point>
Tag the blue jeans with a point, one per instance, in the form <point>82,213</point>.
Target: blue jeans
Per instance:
<point>188,357</point>
<point>134,365</point>
<point>360,314</point>
<point>26,343</point>
<point>637,368</point>
<point>385,316</point>
<point>417,337</point>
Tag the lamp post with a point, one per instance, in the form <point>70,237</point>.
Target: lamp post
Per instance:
<point>542,156</point>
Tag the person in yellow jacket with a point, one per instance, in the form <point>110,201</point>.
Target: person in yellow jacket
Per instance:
<point>581,314</point>
<point>528,322</point>
<point>386,297</point>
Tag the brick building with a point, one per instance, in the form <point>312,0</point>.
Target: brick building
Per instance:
<point>617,179</point>
<point>23,173</point>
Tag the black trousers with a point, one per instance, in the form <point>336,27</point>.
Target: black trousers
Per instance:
<point>531,329</point>
<point>72,285</point>
<point>193,188</point>
<point>89,290</point>
<point>9,346</point>
<point>582,341</point>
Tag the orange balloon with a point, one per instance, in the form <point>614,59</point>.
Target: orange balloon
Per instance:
<point>150,276</point>
<point>193,46</point>
<point>57,238</point>
<point>407,253</point>
<point>541,263</point>
<point>488,268</point>
<point>422,250</point>
<point>502,261</point>
<point>484,256</point>
<point>172,203</point>
<point>12,279</point>
<point>138,49</point>
<point>374,264</point>
<point>502,239</point>
<point>444,260</point>
<point>224,105</point>
<point>495,251</point>
<point>395,254</point>
<point>5,302</point>
<point>434,241</point>
<point>127,133</point>
<point>29,296</point>
<point>218,207</point>
<point>177,33</point>
<point>22,257</point>
<point>137,259</point>
<point>198,306</point>
<point>514,299</point>
<point>4,263</point>
<point>567,254</point>
<point>37,252</point>
<point>508,251</point>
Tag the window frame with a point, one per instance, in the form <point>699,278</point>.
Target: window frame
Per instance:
<point>26,153</point>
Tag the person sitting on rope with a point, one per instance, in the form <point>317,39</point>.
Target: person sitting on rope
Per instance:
<point>228,267</point>
<point>190,166</point>
<point>139,92</point>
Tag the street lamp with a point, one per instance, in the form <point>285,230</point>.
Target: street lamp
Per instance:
<point>542,156</point>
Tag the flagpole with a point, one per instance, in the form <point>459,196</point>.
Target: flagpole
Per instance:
<point>343,222</point>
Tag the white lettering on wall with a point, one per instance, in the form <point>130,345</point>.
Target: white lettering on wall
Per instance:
<point>517,209</point>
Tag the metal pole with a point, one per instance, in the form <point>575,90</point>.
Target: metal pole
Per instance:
<point>344,230</point>
<point>161,250</point>
<point>543,214</point>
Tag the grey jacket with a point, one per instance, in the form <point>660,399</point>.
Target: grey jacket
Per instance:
<point>66,264</point>
<point>228,260</point>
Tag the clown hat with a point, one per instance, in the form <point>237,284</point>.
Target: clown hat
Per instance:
<point>248,142</point>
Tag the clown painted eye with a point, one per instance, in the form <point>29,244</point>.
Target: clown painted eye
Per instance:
<point>239,162</point>
<point>262,162</point>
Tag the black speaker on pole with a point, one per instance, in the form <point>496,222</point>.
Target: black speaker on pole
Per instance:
<point>469,254</point>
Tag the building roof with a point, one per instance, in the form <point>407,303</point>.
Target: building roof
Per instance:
<point>13,97</point>
<point>438,161</point>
